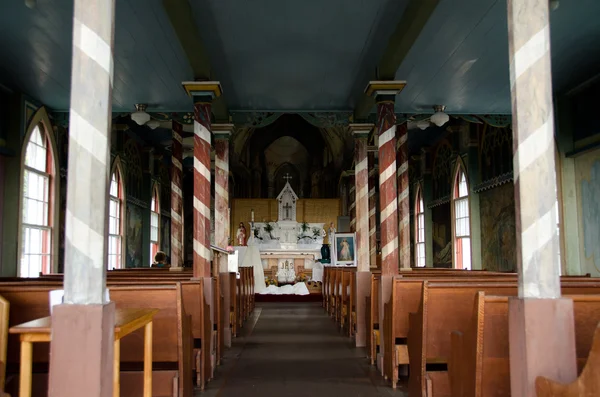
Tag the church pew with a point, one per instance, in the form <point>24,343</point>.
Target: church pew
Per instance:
<point>443,308</point>
<point>479,363</point>
<point>4,321</point>
<point>345,322</point>
<point>372,317</point>
<point>194,301</point>
<point>587,384</point>
<point>234,308</point>
<point>172,337</point>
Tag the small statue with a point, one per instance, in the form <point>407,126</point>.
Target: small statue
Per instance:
<point>331,233</point>
<point>241,235</point>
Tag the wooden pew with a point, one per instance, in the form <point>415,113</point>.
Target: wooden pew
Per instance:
<point>172,347</point>
<point>588,383</point>
<point>4,321</point>
<point>445,307</point>
<point>479,363</point>
<point>193,294</point>
<point>372,317</point>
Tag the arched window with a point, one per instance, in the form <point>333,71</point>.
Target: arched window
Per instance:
<point>154,224</point>
<point>37,210</point>
<point>115,220</point>
<point>420,230</point>
<point>462,229</point>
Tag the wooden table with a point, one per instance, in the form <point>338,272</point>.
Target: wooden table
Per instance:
<point>126,321</point>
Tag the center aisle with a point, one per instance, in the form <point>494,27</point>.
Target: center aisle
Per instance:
<point>295,350</point>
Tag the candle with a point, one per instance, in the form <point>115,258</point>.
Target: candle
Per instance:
<point>252,214</point>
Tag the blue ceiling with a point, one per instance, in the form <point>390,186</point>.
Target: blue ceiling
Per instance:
<point>289,55</point>
<point>149,61</point>
<point>295,55</point>
<point>461,57</point>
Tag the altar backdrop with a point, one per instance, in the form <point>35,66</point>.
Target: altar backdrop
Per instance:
<point>307,210</point>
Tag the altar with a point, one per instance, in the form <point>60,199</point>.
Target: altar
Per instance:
<point>287,248</point>
<point>287,243</point>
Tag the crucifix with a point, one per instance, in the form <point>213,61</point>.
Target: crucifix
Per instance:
<point>287,209</point>
<point>287,177</point>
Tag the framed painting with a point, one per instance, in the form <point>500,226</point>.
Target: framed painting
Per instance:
<point>344,249</point>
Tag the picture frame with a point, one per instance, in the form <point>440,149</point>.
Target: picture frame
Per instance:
<point>343,250</point>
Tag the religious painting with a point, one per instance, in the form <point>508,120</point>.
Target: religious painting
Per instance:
<point>498,238</point>
<point>442,235</point>
<point>134,236</point>
<point>344,249</point>
<point>587,170</point>
<point>165,235</point>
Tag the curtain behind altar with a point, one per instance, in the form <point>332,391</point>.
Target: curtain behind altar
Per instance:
<point>252,259</point>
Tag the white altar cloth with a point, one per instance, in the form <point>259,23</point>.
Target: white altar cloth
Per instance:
<point>296,289</point>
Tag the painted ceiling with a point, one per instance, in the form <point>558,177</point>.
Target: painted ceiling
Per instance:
<point>306,55</point>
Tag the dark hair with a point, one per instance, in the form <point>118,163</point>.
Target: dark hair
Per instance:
<point>160,257</point>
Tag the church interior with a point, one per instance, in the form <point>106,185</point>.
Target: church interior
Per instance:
<point>335,198</point>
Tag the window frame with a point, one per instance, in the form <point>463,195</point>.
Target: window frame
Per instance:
<point>456,197</point>
<point>117,169</point>
<point>420,218</point>
<point>40,121</point>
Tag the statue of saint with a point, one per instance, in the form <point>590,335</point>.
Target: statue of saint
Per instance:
<point>331,233</point>
<point>240,237</point>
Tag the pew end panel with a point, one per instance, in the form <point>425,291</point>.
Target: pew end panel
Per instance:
<point>586,385</point>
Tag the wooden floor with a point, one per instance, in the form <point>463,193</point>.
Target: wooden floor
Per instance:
<point>294,349</point>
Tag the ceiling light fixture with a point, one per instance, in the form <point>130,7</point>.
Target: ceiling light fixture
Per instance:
<point>554,5</point>
<point>30,3</point>
<point>439,118</point>
<point>140,116</point>
<point>153,124</point>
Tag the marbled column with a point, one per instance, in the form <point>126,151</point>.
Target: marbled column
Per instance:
<point>533,147</point>
<point>89,152</point>
<point>201,214</point>
<point>534,351</point>
<point>222,134</point>
<point>176,197</point>
<point>86,318</point>
<point>372,210</point>
<point>352,200</point>
<point>361,178</point>
<point>388,192</point>
<point>403,196</point>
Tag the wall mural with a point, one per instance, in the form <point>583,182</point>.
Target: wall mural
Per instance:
<point>498,230</point>
<point>442,236</point>
<point>442,168</point>
<point>133,171</point>
<point>165,235</point>
<point>134,236</point>
<point>590,215</point>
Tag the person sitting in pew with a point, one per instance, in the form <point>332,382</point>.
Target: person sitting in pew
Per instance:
<point>160,260</point>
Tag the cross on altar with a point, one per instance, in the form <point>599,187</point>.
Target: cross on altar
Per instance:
<point>287,209</point>
<point>287,177</point>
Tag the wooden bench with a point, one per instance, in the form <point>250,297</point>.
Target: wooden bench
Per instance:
<point>588,383</point>
<point>372,317</point>
<point>4,321</point>
<point>479,363</point>
<point>443,308</point>
<point>172,347</point>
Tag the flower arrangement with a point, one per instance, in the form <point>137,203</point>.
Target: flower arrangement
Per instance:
<point>270,281</point>
<point>301,278</point>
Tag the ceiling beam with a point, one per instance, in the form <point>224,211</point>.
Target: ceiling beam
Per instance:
<point>405,35</point>
<point>182,19</point>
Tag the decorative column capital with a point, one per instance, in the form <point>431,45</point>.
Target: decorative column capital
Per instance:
<point>200,89</point>
<point>384,90</point>
<point>222,131</point>
<point>361,130</point>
